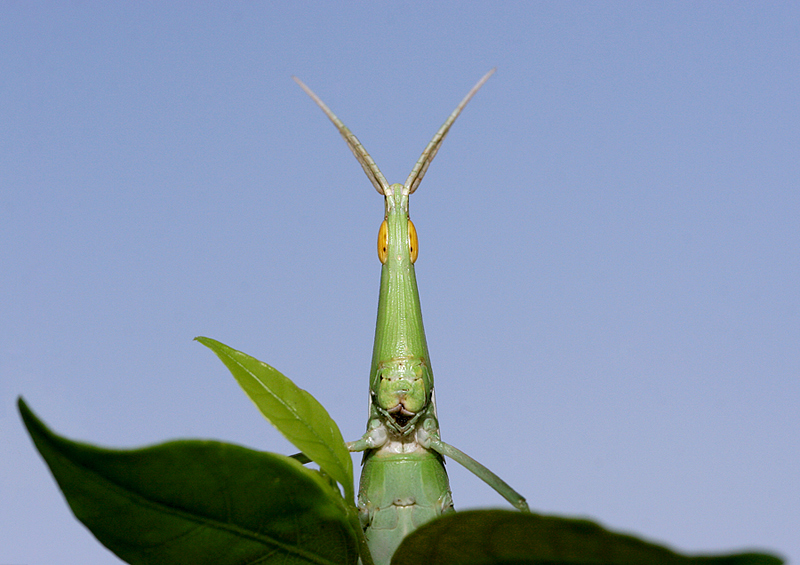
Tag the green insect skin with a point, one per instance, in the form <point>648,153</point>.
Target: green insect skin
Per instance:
<point>403,480</point>
<point>403,484</point>
<point>399,492</point>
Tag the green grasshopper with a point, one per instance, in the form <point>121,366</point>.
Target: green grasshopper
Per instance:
<point>403,481</point>
<point>212,502</point>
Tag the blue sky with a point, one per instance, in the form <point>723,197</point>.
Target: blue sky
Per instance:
<point>609,243</point>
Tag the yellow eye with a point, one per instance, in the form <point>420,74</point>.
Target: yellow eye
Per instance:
<point>383,242</point>
<point>413,246</point>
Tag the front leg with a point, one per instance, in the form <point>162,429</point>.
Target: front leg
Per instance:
<point>433,442</point>
<point>428,432</point>
<point>376,436</point>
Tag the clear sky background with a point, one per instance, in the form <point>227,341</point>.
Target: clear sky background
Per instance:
<point>609,244</point>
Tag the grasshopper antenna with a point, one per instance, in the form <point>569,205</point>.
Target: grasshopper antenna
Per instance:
<point>413,180</point>
<point>367,163</point>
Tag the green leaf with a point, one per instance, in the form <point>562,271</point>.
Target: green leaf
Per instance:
<point>484,537</point>
<point>293,411</point>
<point>199,502</point>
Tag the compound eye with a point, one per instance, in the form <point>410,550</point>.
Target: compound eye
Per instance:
<point>383,242</point>
<point>413,246</point>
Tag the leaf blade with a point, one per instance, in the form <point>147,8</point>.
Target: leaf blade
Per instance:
<point>199,502</point>
<point>293,411</point>
<point>492,537</point>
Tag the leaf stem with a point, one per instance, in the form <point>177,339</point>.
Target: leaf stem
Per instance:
<point>363,548</point>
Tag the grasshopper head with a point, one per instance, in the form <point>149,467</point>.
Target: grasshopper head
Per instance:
<point>401,381</point>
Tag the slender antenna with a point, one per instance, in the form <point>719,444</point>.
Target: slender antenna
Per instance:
<point>369,166</point>
<point>413,180</point>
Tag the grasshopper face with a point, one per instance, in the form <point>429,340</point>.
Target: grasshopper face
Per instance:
<point>401,388</point>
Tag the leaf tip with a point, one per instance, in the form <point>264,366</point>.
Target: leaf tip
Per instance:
<point>36,428</point>
<point>207,341</point>
<point>24,410</point>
